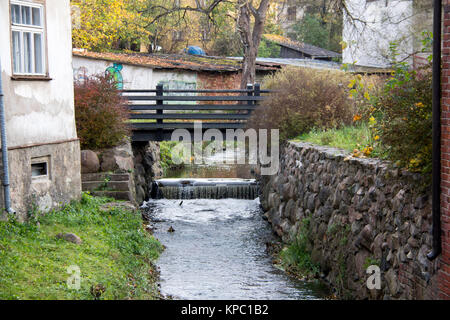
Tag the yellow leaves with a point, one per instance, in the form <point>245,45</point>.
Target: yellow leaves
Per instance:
<point>364,153</point>
<point>366,95</point>
<point>419,105</point>
<point>106,21</point>
<point>343,44</point>
<point>367,151</point>
<point>356,117</point>
<point>353,92</point>
<point>352,84</point>
<point>372,120</point>
<point>415,162</point>
<point>376,138</point>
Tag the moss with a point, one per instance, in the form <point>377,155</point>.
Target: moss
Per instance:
<point>116,252</point>
<point>370,261</point>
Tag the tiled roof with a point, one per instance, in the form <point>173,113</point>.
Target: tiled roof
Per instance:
<point>308,49</point>
<point>173,61</point>
<point>323,64</point>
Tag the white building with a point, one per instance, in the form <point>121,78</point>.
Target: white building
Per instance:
<point>372,25</point>
<point>37,77</point>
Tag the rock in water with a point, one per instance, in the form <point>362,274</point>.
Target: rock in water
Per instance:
<point>171,229</point>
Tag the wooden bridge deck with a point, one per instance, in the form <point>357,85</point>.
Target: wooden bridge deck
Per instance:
<point>156,113</point>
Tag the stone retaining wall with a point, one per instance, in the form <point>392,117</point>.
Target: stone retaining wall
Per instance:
<point>147,168</point>
<point>125,172</point>
<point>361,212</point>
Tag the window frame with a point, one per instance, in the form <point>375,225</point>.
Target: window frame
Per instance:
<point>291,13</point>
<point>48,166</point>
<point>21,29</point>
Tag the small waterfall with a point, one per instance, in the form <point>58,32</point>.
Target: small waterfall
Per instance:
<point>207,189</point>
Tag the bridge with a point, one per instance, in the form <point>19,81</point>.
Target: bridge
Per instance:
<point>156,113</point>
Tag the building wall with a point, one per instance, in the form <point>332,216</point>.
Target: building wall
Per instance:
<point>387,21</point>
<point>44,108</point>
<point>210,80</point>
<point>40,120</point>
<point>280,10</point>
<point>291,54</point>
<point>444,273</point>
<point>62,184</point>
<point>134,77</point>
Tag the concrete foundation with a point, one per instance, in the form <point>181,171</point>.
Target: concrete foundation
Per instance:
<point>56,179</point>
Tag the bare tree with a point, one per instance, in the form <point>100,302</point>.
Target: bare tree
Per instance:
<point>250,36</point>
<point>250,19</point>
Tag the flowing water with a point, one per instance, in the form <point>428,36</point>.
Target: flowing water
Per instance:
<point>217,245</point>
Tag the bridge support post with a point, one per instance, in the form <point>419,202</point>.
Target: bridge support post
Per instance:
<point>250,94</point>
<point>159,111</point>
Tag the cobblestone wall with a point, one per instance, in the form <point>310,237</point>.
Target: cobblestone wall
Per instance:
<point>362,212</point>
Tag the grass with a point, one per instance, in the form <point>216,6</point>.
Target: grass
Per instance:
<point>116,252</point>
<point>347,138</point>
<point>296,258</point>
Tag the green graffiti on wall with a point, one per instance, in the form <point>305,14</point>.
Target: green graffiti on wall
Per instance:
<point>115,75</point>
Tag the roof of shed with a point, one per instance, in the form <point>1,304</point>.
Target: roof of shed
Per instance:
<point>306,48</point>
<point>174,61</point>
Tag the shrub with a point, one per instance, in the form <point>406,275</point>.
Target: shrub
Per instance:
<point>403,118</point>
<point>268,49</point>
<point>304,99</point>
<point>167,148</point>
<point>100,113</point>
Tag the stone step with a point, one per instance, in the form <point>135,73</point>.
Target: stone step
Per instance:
<point>118,195</point>
<point>105,186</point>
<point>102,176</point>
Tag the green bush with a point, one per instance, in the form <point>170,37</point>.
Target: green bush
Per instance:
<point>304,99</point>
<point>403,118</point>
<point>268,49</point>
<point>100,113</point>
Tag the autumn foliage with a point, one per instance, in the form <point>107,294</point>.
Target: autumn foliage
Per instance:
<point>100,113</point>
<point>405,118</point>
<point>304,99</point>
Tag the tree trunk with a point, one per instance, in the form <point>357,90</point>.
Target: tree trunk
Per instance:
<point>250,37</point>
<point>249,67</point>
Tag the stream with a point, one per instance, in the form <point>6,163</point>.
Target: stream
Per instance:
<point>217,245</point>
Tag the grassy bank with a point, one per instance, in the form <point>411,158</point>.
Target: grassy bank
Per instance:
<point>347,138</point>
<point>115,252</point>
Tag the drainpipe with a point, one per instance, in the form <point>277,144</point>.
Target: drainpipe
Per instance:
<point>436,182</point>
<point>7,195</point>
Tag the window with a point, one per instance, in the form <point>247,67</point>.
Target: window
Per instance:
<point>40,168</point>
<point>292,13</point>
<point>27,27</point>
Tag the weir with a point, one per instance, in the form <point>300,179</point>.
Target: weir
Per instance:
<point>206,189</point>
